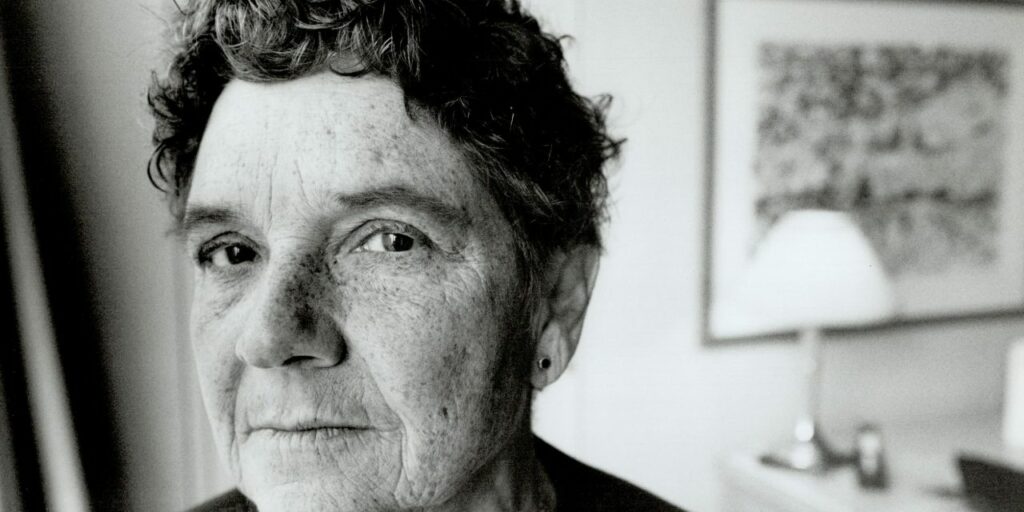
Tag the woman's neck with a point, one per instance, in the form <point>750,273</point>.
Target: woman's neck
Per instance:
<point>514,481</point>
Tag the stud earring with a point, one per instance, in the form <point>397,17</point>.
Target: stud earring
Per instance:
<point>544,363</point>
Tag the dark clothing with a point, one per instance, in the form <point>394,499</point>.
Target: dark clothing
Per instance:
<point>578,487</point>
<point>232,501</point>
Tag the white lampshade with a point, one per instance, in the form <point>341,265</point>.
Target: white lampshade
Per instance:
<point>814,268</point>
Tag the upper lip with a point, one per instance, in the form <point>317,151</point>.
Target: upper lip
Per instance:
<point>299,412</point>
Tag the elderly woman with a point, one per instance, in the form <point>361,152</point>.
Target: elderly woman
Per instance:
<point>392,208</point>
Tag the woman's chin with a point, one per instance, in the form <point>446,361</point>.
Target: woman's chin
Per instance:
<point>310,496</point>
<point>291,473</point>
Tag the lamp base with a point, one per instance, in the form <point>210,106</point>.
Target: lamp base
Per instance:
<point>810,454</point>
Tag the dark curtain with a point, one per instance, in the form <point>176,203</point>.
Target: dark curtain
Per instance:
<point>19,459</point>
<point>47,174</point>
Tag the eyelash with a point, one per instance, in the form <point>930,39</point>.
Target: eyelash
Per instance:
<point>382,227</point>
<point>204,256</point>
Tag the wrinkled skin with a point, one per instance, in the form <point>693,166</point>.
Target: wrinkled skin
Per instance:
<point>355,318</point>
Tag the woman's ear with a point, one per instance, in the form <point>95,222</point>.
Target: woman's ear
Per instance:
<point>569,283</point>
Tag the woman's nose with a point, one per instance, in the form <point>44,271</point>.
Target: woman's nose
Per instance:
<point>290,323</point>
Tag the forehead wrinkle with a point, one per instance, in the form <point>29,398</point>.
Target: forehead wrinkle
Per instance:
<point>269,168</point>
<point>301,182</point>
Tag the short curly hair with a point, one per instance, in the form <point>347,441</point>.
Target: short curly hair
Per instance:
<point>483,70</point>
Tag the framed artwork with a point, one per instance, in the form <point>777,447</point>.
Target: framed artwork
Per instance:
<point>908,115</point>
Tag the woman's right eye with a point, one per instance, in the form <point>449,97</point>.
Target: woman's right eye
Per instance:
<point>228,255</point>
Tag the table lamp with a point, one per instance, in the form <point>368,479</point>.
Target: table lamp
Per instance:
<point>814,269</point>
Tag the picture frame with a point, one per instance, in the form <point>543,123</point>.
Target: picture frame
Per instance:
<point>908,115</point>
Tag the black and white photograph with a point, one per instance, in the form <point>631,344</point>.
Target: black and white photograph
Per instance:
<point>512,255</point>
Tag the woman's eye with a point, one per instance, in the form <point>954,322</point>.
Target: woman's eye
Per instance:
<point>388,242</point>
<point>230,255</point>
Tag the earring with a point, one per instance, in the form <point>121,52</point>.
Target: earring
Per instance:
<point>544,363</point>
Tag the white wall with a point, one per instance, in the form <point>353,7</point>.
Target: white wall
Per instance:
<point>644,399</point>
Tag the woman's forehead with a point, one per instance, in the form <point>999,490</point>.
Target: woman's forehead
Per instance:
<point>268,145</point>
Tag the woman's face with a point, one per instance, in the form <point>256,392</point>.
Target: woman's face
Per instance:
<point>354,315</point>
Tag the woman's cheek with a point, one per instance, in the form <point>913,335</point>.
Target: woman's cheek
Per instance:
<point>215,299</point>
<point>399,321</point>
<point>217,321</point>
<point>404,292</point>
<point>415,331</point>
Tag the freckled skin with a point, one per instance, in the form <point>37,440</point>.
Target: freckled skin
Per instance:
<point>422,349</point>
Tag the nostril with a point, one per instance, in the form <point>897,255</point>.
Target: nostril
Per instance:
<point>297,360</point>
<point>316,357</point>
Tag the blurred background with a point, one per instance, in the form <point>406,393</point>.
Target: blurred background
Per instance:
<point>646,398</point>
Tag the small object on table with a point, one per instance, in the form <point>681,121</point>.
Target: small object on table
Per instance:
<point>1013,399</point>
<point>869,458</point>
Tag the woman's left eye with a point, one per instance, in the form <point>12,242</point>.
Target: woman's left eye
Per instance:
<point>388,242</point>
<point>229,255</point>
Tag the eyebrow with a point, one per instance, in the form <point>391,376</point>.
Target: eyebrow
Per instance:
<point>196,217</point>
<point>402,196</point>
